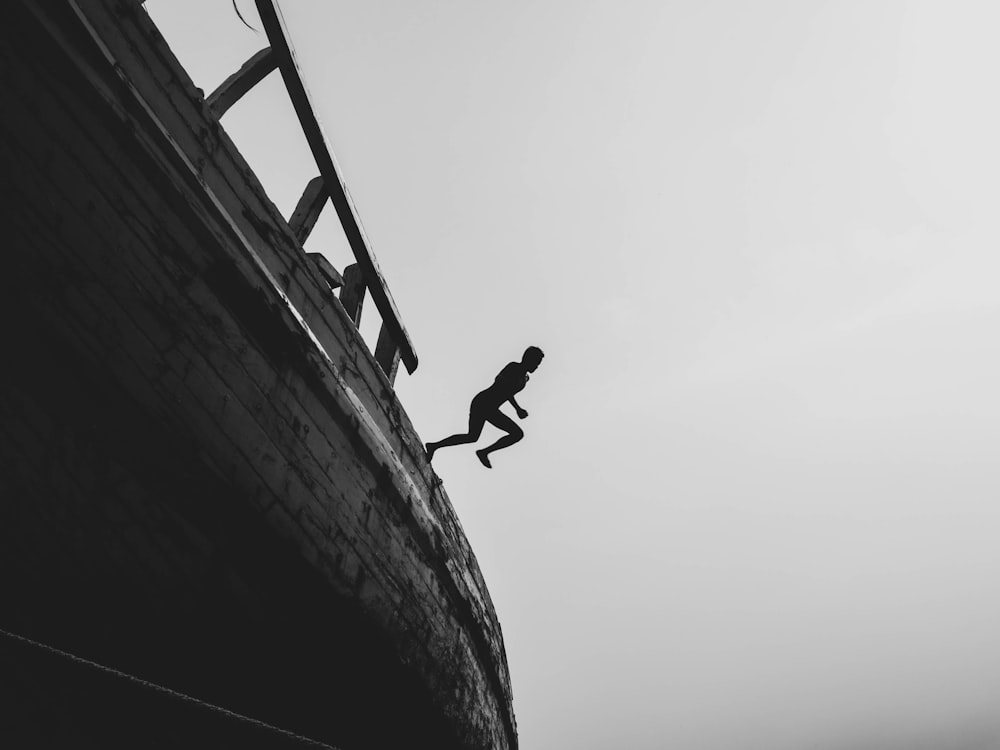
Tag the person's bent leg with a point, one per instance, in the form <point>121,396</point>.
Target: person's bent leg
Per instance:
<point>476,422</point>
<point>508,425</point>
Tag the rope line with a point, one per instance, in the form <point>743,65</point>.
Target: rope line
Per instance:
<point>184,698</point>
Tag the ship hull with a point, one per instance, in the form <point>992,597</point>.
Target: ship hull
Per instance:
<point>207,482</point>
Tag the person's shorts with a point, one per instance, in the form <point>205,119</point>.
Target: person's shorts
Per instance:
<point>482,405</point>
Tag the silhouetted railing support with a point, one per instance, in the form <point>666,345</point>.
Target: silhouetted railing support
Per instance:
<point>306,213</point>
<point>239,83</point>
<point>327,271</point>
<point>352,293</point>
<point>387,353</point>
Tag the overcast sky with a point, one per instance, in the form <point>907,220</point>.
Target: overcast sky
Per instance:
<point>757,503</point>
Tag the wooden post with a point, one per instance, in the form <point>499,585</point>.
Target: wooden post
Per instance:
<point>326,269</point>
<point>239,83</point>
<point>307,211</point>
<point>387,353</point>
<point>352,293</point>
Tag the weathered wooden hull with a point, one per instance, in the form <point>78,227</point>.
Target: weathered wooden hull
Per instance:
<point>207,481</point>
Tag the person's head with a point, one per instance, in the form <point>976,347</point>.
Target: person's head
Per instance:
<point>532,358</point>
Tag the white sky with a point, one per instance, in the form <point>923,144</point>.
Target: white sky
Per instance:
<point>756,506</point>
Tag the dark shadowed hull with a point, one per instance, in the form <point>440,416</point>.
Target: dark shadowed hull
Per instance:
<point>207,481</point>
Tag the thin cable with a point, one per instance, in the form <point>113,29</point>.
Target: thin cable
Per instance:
<point>243,19</point>
<point>167,691</point>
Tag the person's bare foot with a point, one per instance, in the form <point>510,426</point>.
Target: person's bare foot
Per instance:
<point>484,459</point>
<point>430,448</point>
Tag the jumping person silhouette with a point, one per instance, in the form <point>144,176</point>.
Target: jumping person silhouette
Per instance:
<point>485,408</point>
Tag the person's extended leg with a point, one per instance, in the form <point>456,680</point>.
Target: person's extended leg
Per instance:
<point>508,425</point>
<point>476,421</point>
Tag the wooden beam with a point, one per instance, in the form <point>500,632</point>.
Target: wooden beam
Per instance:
<point>239,83</point>
<point>306,213</point>
<point>352,292</point>
<point>277,34</point>
<point>327,270</point>
<point>387,353</point>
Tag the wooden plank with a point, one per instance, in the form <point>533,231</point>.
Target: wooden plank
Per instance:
<point>387,353</point>
<point>352,293</point>
<point>327,270</point>
<point>307,211</point>
<point>252,72</point>
<point>277,34</point>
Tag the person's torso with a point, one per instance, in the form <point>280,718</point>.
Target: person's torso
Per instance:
<point>511,380</point>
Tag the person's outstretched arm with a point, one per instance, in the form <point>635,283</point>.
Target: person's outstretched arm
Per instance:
<point>521,413</point>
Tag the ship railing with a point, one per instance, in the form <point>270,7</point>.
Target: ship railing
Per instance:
<point>364,275</point>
